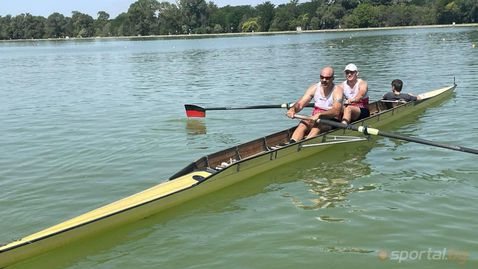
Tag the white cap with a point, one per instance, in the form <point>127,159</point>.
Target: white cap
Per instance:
<point>351,67</point>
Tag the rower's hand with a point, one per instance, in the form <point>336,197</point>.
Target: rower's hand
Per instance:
<point>291,113</point>
<point>315,117</point>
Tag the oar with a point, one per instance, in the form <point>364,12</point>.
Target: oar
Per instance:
<point>372,131</point>
<point>197,111</point>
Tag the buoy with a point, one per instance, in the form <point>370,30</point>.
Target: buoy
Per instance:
<point>473,45</point>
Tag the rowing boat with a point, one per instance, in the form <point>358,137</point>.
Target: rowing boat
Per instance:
<point>206,175</point>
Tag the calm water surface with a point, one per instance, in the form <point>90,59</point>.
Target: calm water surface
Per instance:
<point>85,123</point>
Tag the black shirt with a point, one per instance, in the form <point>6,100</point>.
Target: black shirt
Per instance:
<point>402,96</point>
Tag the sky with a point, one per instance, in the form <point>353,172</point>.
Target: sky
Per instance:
<point>113,7</point>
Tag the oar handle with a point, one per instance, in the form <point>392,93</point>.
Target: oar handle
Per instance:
<point>302,117</point>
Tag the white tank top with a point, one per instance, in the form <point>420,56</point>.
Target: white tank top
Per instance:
<point>323,102</point>
<point>350,93</point>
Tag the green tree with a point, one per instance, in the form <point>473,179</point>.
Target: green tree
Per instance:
<point>6,31</point>
<point>378,2</point>
<point>102,24</point>
<point>55,25</point>
<point>18,26</point>
<point>365,15</point>
<point>314,23</point>
<point>25,26</point>
<point>231,18</point>
<point>349,4</point>
<point>35,27</point>
<point>423,15</point>
<point>122,25</point>
<point>218,28</point>
<point>311,7</point>
<point>448,11</point>
<point>146,17</point>
<point>302,21</point>
<point>330,15</point>
<point>396,15</point>
<point>474,13</point>
<point>143,15</point>
<point>285,16</point>
<point>169,18</point>
<point>420,2</point>
<point>195,15</point>
<point>265,11</point>
<point>251,25</point>
<point>218,17</point>
<point>468,10</point>
<point>82,24</point>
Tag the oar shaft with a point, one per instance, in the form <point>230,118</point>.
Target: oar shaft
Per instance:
<point>248,107</point>
<point>200,112</point>
<point>286,105</point>
<point>372,131</point>
<point>425,142</point>
<point>368,130</point>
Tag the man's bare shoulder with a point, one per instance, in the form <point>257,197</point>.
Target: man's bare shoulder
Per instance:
<point>339,88</point>
<point>311,90</point>
<point>363,83</point>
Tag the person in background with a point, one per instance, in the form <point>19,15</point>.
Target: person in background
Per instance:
<point>356,95</point>
<point>328,103</point>
<point>396,93</point>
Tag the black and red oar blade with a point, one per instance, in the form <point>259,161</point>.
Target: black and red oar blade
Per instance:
<point>194,111</point>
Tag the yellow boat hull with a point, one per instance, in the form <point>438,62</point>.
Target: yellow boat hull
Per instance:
<point>191,184</point>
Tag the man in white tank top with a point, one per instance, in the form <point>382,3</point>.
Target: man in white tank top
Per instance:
<point>328,99</point>
<point>356,95</point>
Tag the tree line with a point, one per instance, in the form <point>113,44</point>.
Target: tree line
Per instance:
<point>151,17</point>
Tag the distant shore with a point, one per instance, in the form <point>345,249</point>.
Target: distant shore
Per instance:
<point>182,36</point>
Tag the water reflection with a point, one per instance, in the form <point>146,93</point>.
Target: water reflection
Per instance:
<point>330,180</point>
<point>195,127</point>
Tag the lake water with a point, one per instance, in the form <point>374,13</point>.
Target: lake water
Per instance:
<point>84,123</point>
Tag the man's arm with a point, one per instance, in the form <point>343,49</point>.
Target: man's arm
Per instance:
<point>413,97</point>
<point>299,105</point>
<point>363,89</point>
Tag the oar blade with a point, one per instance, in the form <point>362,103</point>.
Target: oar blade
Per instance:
<point>194,111</point>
